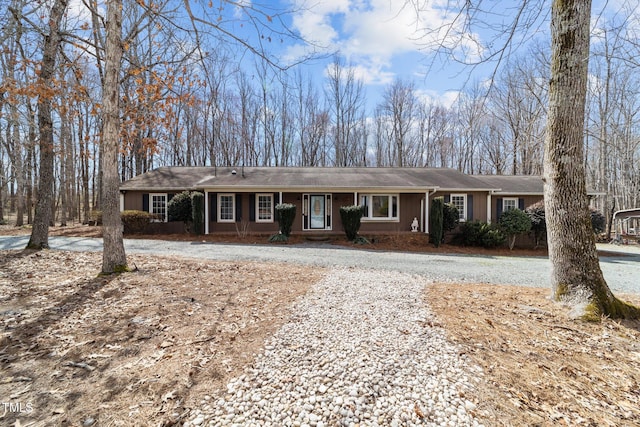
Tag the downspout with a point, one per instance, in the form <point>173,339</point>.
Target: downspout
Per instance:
<point>206,212</point>
<point>489,206</point>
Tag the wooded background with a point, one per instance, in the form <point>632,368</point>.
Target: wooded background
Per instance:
<point>188,98</point>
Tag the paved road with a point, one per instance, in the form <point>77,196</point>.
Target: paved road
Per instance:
<point>620,271</point>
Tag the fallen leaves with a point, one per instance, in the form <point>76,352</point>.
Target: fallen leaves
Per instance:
<point>141,345</point>
<point>541,367</point>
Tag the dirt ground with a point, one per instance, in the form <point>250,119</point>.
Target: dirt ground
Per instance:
<point>142,347</point>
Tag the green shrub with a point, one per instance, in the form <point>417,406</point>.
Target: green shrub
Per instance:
<point>135,221</point>
<point>351,217</point>
<point>514,222</point>
<point>477,233</point>
<point>436,217</point>
<point>179,208</point>
<point>450,217</point>
<point>286,214</point>
<point>598,221</point>
<point>538,222</point>
<point>197,210</point>
<point>492,238</point>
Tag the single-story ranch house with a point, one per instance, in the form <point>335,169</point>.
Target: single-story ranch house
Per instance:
<point>393,197</point>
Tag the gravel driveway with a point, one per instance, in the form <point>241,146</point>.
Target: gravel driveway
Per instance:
<point>620,271</point>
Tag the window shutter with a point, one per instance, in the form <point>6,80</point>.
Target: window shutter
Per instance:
<point>252,207</point>
<point>238,201</point>
<point>470,207</point>
<point>214,206</point>
<point>145,202</point>
<point>447,198</point>
<point>521,204</point>
<point>498,207</point>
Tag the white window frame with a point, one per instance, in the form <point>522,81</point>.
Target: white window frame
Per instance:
<point>152,211</point>
<point>368,214</point>
<point>509,199</point>
<point>461,214</point>
<point>271,206</point>
<point>233,207</point>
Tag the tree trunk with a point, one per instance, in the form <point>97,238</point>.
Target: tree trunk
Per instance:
<point>113,255</point>
<point>40,231</point>
<point>576,275</point>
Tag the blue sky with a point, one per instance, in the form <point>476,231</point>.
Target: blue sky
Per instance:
<point>386,39</point>
<point>383,40</point>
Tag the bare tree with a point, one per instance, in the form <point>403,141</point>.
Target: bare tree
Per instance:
<point>399,107</point>
<point>40,232</point>
<point>577,277</point>
<point>345,98</point>
<point>113,255</point>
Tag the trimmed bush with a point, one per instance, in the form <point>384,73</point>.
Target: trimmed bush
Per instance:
<point>135,222</point>
<point>351,217</point>
<point>197,210</point>
<point>286,214</point>
<point>436,217</point>
<point>514,222</point>
<point>538,222</point>
<point>477,233</point>
<point>179,208</point>
<point>450,217</point>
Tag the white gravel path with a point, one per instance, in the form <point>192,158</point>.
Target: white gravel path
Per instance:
<point>360,348</point>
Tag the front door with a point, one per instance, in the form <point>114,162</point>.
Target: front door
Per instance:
<point>317,212</point>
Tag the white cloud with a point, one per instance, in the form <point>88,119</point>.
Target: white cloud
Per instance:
<point>370,33</point>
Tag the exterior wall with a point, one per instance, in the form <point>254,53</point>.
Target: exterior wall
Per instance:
<point>133,200</point>
<point>524,201</point>
<point>410,206</point>
<point>478,205</point>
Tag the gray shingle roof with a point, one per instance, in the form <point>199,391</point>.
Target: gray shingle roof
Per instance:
<point>301,178</point>
<point>514,184</point>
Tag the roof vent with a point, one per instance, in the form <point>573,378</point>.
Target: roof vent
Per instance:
<point>233,172</point>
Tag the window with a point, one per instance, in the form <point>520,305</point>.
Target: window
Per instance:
<point>158,207</point>
<point>226,207</point>
<point>264,206</point>
<point>460,202</point>
<point>509,203</point>
<point>380,206</point>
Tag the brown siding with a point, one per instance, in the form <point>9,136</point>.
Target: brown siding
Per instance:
<point>528,201</point>
<point>479,202</point>
<point>133,200</point>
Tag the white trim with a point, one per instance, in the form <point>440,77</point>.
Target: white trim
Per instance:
<point>390,217</point>
<point>463,214</point>
<point>489,208</point>
<point>511,199</point>
<point>166,203</point>
<point>206,212</point>
<point>233,207</point>
<point>257,204</point>
<point>121,202</point>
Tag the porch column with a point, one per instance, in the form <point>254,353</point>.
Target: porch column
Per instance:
<point>355,198</point>
<point>121,202</point>
<point>489,208</point>
<point>206,212</point>
<point>426,212</point>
